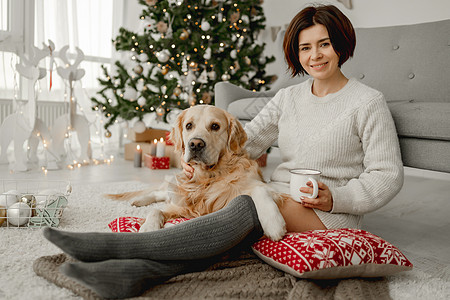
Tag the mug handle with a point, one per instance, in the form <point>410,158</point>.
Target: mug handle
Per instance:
<point>315,187</point>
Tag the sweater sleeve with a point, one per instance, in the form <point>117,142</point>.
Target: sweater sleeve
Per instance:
<point>262,131</point>
<point>382,177</point>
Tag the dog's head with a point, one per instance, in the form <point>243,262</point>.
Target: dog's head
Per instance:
<point>204,133</point>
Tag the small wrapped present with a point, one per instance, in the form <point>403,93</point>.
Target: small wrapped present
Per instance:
<point>155,162</point>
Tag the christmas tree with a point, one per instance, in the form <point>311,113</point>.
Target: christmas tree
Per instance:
<point>184,48</point>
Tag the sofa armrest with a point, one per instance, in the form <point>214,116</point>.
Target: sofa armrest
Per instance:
<point>225,93</point>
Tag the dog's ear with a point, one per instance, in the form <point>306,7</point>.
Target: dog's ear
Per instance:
<point>236,134</point>
<point>176,136</point>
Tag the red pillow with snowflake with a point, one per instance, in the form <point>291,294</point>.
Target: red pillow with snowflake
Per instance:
<point>133,224</point>
<point>332,253</point>
<point>319,254</point>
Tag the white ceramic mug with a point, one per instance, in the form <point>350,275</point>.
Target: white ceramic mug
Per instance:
<point>299,178</point>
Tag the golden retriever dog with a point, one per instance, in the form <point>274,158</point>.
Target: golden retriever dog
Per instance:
<point>211,140</point>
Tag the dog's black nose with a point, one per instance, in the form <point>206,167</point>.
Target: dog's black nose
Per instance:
<point>196,145</point>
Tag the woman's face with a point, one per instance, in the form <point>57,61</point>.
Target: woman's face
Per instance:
<point>316,54</point>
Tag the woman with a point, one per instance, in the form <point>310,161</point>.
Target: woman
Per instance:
<point>329,122</point>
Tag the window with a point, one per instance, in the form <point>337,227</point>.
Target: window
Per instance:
<point>11,38</point>
<point>3,15</point>
<point>78,23</point>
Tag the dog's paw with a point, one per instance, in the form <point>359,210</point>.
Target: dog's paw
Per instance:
<point>142,201</point>
<point>153,221</point>
<point>269,215</point>
<point>153,197</point>
<point>273,225</point>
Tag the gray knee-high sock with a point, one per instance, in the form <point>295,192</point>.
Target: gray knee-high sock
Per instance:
<point>124,278</point>
<point>202,237</point>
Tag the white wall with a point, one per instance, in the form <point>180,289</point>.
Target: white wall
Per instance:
<point>365,13</point>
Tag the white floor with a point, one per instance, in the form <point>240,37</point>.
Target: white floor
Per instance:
<point>416,221</point>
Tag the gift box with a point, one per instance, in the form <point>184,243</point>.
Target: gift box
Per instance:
<point>156,163</point>
<point>147,136</point>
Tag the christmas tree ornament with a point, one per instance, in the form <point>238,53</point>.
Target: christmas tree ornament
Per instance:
<point>160,111</point>
<point>18,214</point>
<point>108,134</point>
<point>262,60</point>
<point>130,93</point>
<point>141,101</point>
<point>203,78</point>
<point>226,77</point>
<point>184,67</point>
<point>138,69</point>
<point>233,54</point>
<point>29,200</point>
<point>205,26</point>
<point>193,65</point>
<point>139,127</point>
<point>164,70</point>
<point>234,17</point>
<point>247,60</point>
<point>184,35</point>
<point>163,56</point>
<point>207,54</point>
<point>212,75</point>
<point>161,26</point>
<point>9,198</point>
<point>143,57</point>
<point>177,91</point>
<point>151,2</point>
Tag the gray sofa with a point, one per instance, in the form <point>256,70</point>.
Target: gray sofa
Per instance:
<point>410,64</point>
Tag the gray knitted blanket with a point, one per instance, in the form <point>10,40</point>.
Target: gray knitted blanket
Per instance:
<point>245,277</point>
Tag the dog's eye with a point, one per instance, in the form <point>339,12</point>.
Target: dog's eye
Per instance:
<point>215,126</point>
<point>188,126</point>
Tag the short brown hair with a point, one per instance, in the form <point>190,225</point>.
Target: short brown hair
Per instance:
<point>340,30</point>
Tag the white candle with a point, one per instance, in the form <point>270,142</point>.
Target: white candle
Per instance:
<point>138,157</point>
<point>153,147</point>
<point>160,148</point>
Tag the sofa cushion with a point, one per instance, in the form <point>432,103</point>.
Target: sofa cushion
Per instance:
<point>247,108</point>
<point>426,120</point>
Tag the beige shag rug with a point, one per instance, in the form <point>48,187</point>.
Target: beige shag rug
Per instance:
<point>245,277</point>
<point>89,211</point>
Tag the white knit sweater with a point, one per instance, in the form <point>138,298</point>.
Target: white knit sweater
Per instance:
<point>350,136</point>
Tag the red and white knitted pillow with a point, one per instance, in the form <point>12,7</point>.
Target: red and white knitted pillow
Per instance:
<point>133,224</point>
<point>319,254</point>
<point>332,253</point>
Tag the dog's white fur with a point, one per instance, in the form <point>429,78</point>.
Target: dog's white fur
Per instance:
<point>223,171</point>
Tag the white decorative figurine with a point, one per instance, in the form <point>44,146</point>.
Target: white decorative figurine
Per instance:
<point>23,124</point>
<point>71,121</point>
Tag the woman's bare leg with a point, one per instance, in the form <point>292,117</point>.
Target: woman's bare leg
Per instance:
<point>299,218</point>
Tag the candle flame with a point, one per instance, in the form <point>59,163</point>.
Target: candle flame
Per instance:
<point>138,147</point>
<point>155,141</point>
<point>161,140</point>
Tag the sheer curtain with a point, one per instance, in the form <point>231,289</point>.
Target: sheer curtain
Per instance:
<point>85,24</point>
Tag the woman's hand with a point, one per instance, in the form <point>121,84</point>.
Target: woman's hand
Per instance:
<point>324,200</point>
<point>188,170</point>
